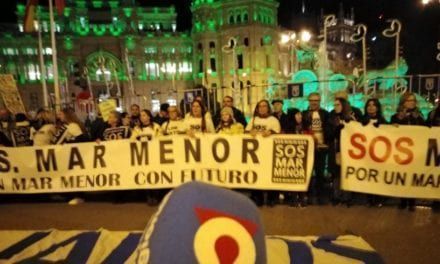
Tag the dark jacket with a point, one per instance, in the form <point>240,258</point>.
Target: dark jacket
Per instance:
<point>433,118</point>
<point>414,118</point>
<point>284,122</point>
<point>307,122</point>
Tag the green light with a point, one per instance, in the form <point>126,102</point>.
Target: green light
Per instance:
<point>211,25</point>
<point>167,35</point>
<point>150,35</point>
<point>128,11</point>
<point>267,40</point>
<point>80,4</point>
<point>97,3</point>
<point>156,10</point>
<point>21,9</point>
<point>337,82</point>
<point>99,30</point>
<point>130,43</point>
<point>68,43</point>
<point>67,11</point>
<point>309,78</point>
<point>116,30</point>
<point>198,26</point>
<point>83,31</point>
<point>113,4</point>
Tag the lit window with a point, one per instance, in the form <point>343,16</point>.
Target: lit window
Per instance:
<point>173,26</point>
<point>49,71</point>
<point>20,27</point>
<point>48,51</point>
<point>150,50</point>
<point>155,105</point>
<point>151,69</point>
<point>33,72</point>
<point>141,26</point>
<point>99,73</point>
<point>172,102</point>
<point>82,21</point>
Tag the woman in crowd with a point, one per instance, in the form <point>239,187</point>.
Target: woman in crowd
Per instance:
<point>408,114</point>
<point>45,128</point>
<point>69,128</point>
<point>264,124</point>
<point>339,116</point>
<point>295,126</point>
<point>125,119</point>
<point>114,129</point>
<point>227,124</point>
<point>373,115</point>
<point>174,125</point>
<point>147,129</point>
<point>198,120</point>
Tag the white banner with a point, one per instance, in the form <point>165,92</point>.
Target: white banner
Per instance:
<point>281,162</point>
<point>396,161</point>
<point>103,246</point>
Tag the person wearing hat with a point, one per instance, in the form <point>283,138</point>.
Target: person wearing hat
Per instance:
<point>227,124</point>
<point>228,101</point>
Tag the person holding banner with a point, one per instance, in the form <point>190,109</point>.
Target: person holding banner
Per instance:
<point>21,131</point>
<point>69,128</point>
<point>115,130</point>
<point>433,120</point>
<point>198,120</point>
<point>227,124</point>
<point>174,125</point>
<point>134,115</point>
<point>373,116</point>
<point>265,124</point>
<point>339,116</point>
<point>408,114</point>
<point>315,122</point>
<point>147,129</point>
<point>45,128</point>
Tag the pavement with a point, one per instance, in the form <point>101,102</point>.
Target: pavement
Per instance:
<point>400,236</point>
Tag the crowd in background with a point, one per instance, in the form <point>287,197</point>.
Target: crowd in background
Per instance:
<point>267,119</point>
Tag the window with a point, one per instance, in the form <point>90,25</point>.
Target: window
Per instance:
<point>33,72</point>
<point>103,75</point>
<point>240,61</point>
<point>213,65</point>
<point>172,102</point>
<point>185,67</point>
<point>268,65</point>
<point>151,69</point>
<point>238,19</point>
<point>212,45</point>
<point>150,50</point>
<point>155,105</point>
<point>246,42</point>
<point>245,17</point>
<point>200,65</point>
<point>200,46</point>
<point>231,19</point>
<point>261,42</point>
<point>47,51</point>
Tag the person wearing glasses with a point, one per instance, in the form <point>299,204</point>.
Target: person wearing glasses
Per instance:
<point>316,122</point>
<point>228,101</point>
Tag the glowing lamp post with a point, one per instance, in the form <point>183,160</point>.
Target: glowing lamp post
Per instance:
<point>391,32</point>
<point>230,48</point>
<point>291,40</point>
<point>360,35</point>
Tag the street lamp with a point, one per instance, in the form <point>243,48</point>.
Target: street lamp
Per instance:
<point>230,48</point>
<point>291,40</point>
<point>360,35</point>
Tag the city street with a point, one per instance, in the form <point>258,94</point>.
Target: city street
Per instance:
<point>399,236</point>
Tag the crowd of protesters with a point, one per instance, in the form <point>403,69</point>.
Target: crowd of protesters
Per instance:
<point>267,119</point>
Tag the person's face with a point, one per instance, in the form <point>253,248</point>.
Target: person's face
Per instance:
<point>371,108</point>
<point>134,110</point>
<point>172,113</point>
<point>145,118</point>
<point>263,109</point>
<point>126,121</point>
<point>196,110</point>
<point>226,117</point>
<point>338,107</point>
<point>314,102</point>
<point>227,102</point>
<point>410,102</point>
<point>112,120</point>
<point>277,107</point>
<point>61,116</point>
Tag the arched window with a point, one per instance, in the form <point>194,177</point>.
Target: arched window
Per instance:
<point>212,45</point>
<point>231,19</point>
<point>238,19</point>
<point>200,46</point>
<point>245,17</point>
<point>246,42</point>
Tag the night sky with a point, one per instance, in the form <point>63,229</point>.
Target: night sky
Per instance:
<point>420,33</point>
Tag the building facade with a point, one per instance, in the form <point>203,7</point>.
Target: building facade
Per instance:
<point>120,49</point>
